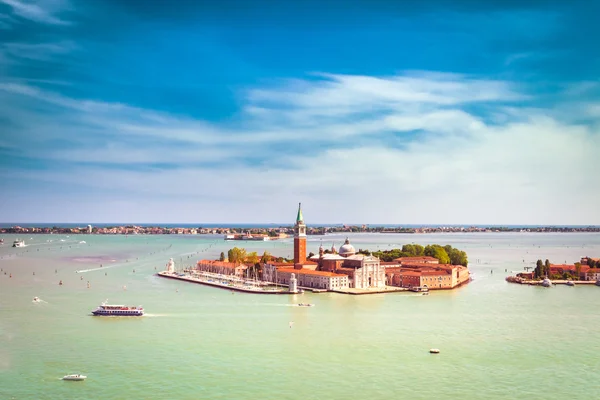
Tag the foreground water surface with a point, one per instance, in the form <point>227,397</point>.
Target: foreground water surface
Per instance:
<point>497,340</point>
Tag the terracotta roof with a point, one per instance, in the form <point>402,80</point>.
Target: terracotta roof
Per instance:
<point>280,264</point>
<point>593,270</point>
<point>410,273</point>
<point>416,259</point>
<point>220,264</point>
<point>563,266</point>
<point>309,272</point>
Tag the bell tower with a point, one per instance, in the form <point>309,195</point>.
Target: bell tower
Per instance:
<point>299,239</point>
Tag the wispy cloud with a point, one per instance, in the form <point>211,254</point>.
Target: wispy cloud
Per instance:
<point>43,11</point>
<point>37,51</point>
<point>375,140</point>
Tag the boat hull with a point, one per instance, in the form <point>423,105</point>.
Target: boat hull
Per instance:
<point>111,313</point>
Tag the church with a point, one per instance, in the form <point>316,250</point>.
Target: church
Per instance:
<point>338,270</point>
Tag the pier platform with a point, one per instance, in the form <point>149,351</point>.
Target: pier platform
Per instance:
<point>387,289</point>
<point>236,288</point>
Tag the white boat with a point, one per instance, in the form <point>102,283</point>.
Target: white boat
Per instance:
<point>570,283</point>
<point>434,351</point>
<point>74,377</point>
<point>19,243</point>
<point>546,282</point>
<point>305,305</point>
<point>36,299</point>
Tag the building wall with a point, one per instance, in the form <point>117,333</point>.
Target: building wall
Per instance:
<point>299,250</point>
<point>369,275</point>
<point>222,268</point>
<point>306,278</point>
<point>592,275</point>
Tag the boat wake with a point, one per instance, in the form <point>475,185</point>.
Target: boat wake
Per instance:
<point>38,300</point>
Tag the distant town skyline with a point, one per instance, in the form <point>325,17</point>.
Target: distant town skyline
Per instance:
<point>416,112</point>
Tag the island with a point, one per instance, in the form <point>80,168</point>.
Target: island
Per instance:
<point>585,271</point>
<point>344,270</point>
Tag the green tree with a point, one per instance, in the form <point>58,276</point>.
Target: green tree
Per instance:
<point>222,257</point>
<point>438,252</point>
<point>252,258</point>
<point>409,249</point>
<point>538,272</point>
<point>266,257</point>
<point>458,257</point>
<point>236,255</point>
<point>547,267</point>
<point>419,250</point>
<point>578,270</point>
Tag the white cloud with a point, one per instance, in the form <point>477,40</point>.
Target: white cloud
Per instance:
<point>350,166</point>
<point>42,11</point>
<point>37,51</point>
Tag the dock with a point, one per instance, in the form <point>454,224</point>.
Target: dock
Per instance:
<point>387,289</point>
<point>531,282</point>
<point>224,283</point>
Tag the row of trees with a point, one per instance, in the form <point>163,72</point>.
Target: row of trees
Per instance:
<point>542,269</point>
<point>239,255</point>
<point>445,254</point>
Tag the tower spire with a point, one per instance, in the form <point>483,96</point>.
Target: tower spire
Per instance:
<point>299,217</point>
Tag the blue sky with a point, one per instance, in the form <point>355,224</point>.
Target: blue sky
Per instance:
<point>366,111</point>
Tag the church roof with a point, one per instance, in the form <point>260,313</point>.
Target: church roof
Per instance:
<point>347,248</point>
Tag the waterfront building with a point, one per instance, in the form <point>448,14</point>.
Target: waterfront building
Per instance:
<point>571,269</point>
<point>222,267</point>
<point>432,276</point>
<point>305,277</point>
<point>593,274</point>
<point>419,259</point>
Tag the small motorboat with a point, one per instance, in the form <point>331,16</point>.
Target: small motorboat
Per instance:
<point>36,299</point>
<point>74,377</point>
<point>570,283</point>
<point>434,351</point>
<point>546,282</point>
<point>305,305</point>
<point>425,294</point>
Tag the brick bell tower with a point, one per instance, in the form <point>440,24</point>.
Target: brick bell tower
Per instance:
<point>299,240</point>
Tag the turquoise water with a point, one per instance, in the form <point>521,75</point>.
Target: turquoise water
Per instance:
<point>497,340</point>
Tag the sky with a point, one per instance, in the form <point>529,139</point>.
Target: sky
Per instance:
<point>367,112</point>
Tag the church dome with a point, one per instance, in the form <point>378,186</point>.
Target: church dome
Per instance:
<point>347,249</point>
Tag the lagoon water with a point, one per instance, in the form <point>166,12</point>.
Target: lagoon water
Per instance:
<point>497,340</point>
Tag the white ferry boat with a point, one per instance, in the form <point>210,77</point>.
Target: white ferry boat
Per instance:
<point>108,310</point>
<point>19,243</point>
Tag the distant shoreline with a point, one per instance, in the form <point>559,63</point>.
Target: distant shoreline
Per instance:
<point>275,231</point>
